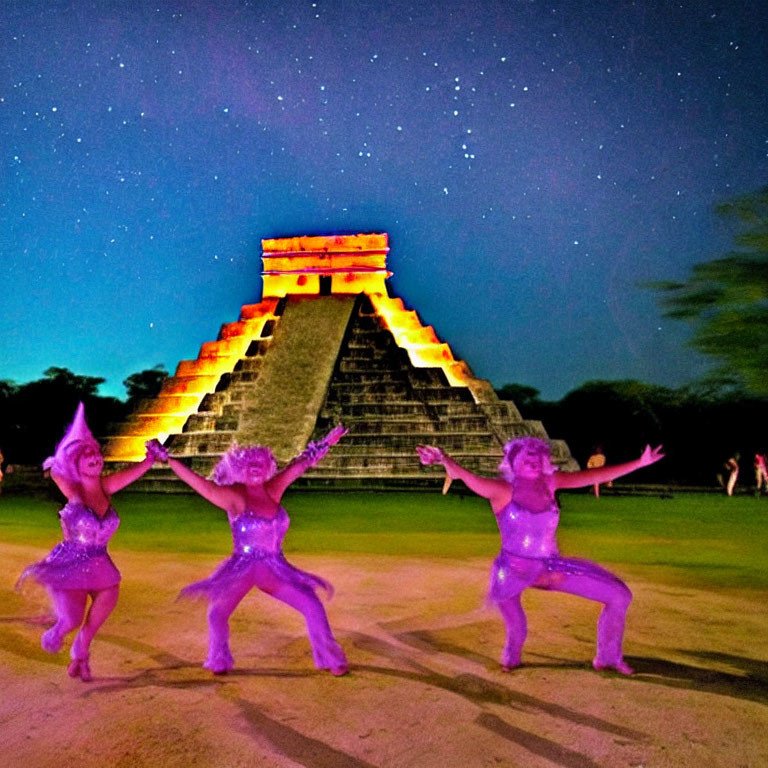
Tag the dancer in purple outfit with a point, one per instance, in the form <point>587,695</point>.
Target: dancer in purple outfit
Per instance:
<point>246,484</point>
<point>79,566</point>
<point>523,500</point>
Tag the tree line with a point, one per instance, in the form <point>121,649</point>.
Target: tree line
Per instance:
<point>700,425</point>
<point>33,416</point>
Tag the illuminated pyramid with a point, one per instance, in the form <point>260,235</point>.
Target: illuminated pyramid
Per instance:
<point>327,344</point>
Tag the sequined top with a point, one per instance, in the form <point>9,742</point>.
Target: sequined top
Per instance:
<point>82,526</point>
<point>528,534</point>
<point>255,534</point>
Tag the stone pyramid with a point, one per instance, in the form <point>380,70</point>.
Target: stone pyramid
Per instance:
<point>327,344</point>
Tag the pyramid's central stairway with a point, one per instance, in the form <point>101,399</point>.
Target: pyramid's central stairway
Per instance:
<point>328,345</point>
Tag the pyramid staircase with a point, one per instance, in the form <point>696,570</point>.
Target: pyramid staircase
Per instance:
<point>330,348</point>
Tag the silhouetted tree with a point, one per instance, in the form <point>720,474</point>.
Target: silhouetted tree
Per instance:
<point>699,426</point>
<point>145,384</point>
<point>64,379</point>
<point>33,416</point>
<point>525,398</point>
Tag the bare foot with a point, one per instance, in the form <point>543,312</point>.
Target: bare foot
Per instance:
<point>620,666</point>
<point>85,671</point>
<point>79,668</point>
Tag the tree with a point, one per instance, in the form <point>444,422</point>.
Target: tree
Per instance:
<point>726,299</point>
<point>522,396</point>
<point>81,386</point>
<point>145,384</point>
<point>33,416</point>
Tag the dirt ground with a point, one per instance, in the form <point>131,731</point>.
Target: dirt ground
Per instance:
<point>425,688</point>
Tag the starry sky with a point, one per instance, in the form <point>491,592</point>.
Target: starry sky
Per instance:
<point>534,163</point>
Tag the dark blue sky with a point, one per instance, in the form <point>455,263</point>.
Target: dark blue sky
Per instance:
<point>532,162</point>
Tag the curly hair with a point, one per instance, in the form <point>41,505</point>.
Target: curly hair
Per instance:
<point>233,466</point>
<point>513,447</point>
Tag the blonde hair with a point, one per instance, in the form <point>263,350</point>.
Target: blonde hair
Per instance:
<point>233,465</point>
<point>513,447</point>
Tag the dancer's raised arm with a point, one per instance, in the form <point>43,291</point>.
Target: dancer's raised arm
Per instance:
<point>118,480</point>
<point>220,495</point>
<point>496,490</point>
<point>310,456</point>
<point>605,474</point>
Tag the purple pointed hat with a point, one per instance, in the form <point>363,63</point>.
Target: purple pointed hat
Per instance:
<point>77,437</point>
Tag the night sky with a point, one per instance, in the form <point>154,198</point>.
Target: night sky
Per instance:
<point>533,163</point>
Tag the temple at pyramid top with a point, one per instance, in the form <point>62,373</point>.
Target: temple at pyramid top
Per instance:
<point>328,344</point>
<point>323,265</point>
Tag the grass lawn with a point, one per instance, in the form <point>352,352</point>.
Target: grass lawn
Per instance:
<point>704,539</point>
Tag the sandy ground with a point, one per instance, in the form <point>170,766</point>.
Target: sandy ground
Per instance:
<point>425,688</point>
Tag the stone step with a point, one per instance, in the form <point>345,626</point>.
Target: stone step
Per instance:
<point>416,425</point>
<point>393,411</point>
<point>403,409</point>
<point>403,442</point>
<point>377,347</point>
<point>243,377</point>
<point>258,347</point>
<point>248,364</point>
<point>201,443</point>
<point>387,394</point>
<point>360,379</point>
<point>387,464</point>
<point>424,378</point>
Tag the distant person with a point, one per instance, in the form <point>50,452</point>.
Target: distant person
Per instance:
<point>596,461</point>
<point>731,467</point>
<point>761,475</point>
<point>2,459</point>
<point>79,567</point>
<point>248,486</point>
<point>523,501</point>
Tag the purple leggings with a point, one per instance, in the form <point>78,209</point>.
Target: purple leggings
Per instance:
<point>511,574</point>
<point>326,652</point>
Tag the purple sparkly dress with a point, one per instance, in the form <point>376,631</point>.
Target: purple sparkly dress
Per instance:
<point>257,543</point>
<point>529,555</point>
<point>529,558</point>
<point>258,561</point>
<point>81,560</point>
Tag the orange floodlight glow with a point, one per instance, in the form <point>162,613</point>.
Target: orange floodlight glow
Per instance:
<point>182,394</point>
<point>296,265</point>
<point>326,243</point>
<point>176,404</point>
<point>423,347</point>
<point>264,309</point>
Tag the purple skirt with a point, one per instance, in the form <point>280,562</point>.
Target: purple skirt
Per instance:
<point>247,570</point>
<point>70,565</point>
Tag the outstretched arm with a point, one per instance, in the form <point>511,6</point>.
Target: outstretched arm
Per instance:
<point>123,477</point>
<point>495,490</point>
<point>605,474</point>
<point>310,456</point>
<point>220,495</point>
